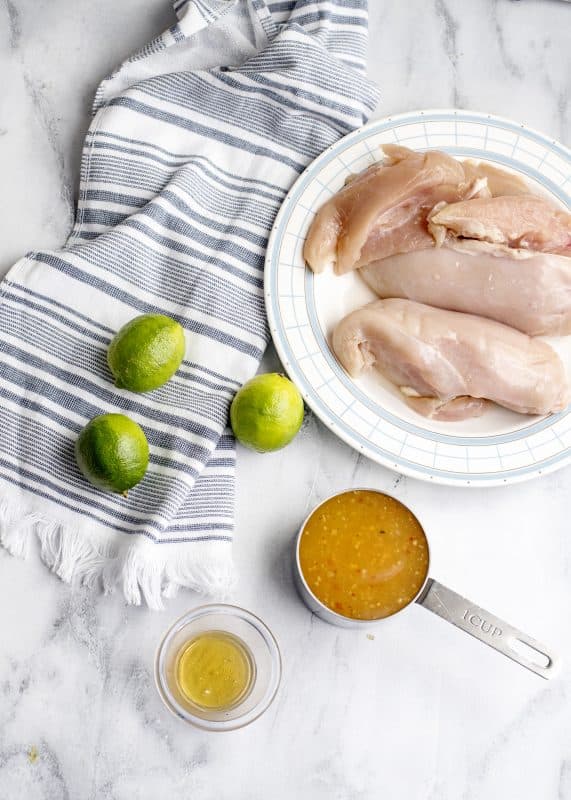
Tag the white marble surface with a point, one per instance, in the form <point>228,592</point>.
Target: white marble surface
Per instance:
<point>422,712</point>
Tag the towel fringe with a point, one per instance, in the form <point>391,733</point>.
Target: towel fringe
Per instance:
<point>139,567</point>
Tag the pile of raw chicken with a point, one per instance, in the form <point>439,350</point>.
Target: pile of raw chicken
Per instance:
<point>471,267</point>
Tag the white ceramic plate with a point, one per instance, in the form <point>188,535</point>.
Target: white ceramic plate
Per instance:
<point>499,447</point>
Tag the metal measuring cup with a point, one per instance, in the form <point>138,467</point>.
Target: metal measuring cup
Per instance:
<point>449,605</point>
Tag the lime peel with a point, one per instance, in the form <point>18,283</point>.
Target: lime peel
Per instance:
<point>267,412</point>
<point>146,352</point>
<point>112,452</point>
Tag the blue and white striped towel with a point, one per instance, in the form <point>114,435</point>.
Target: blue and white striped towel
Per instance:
<point>193,144</point>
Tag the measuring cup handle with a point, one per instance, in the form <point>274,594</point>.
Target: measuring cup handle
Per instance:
<point>489,629</point>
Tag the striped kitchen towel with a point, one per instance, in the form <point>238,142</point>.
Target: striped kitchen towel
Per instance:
<point>194,142</point>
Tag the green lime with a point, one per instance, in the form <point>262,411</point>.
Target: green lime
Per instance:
<point>112,452</point>
<point>267,412</point>
<point>146,352</point>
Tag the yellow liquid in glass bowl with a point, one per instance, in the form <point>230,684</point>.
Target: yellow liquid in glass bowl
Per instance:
<point>214,671</point>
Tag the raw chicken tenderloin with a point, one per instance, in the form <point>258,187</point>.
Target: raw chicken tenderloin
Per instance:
<point>528,290</point>
<point>385,197</point>
<point>524,221</point>
<point>405,228</point>
<point>441,360</point>
<point>498,180</point>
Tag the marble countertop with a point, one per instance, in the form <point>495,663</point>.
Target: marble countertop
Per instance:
<point>419,712</point>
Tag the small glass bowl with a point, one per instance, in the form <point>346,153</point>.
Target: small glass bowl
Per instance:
<point>260,645</point>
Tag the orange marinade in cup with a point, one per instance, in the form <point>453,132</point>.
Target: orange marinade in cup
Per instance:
<point>363,554</point>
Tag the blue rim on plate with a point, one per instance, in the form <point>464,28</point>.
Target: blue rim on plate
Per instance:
<point>539,445</point>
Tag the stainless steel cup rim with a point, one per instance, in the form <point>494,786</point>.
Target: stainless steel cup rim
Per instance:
<point>334,615</point>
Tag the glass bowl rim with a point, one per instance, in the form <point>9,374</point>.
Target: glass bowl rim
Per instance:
<point>269,640</point>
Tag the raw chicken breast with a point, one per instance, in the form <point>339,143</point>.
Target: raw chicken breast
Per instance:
<point>385,197</point>
<point>525,221</point>
<point>529,291</point>
<point>448,410</point>
<point>405,229</point>
<point>498,180</point>
<point>441,360</point>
